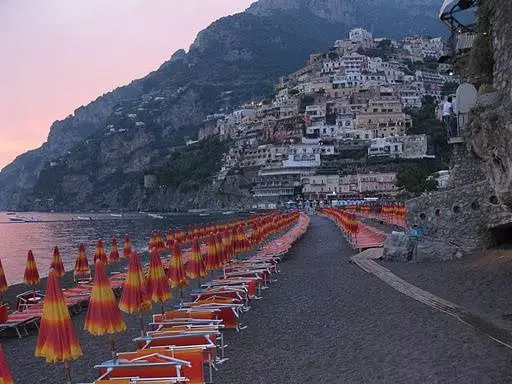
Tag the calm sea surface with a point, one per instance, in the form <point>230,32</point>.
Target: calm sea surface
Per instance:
<point>66,232</point>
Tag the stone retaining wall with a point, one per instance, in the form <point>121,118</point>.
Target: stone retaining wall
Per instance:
<point>459,217</point>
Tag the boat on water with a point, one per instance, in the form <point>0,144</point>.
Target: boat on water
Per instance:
<point>11,213</point>
<point>82,218</point>
<point>155,216</point>
<point>116,214</point>
<point>228,212</point>
<point>22,219</point>
<point>204,214</point>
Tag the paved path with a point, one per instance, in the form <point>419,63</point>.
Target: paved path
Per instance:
<point>328,321</point>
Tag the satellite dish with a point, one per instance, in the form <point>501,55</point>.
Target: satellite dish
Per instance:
<point>466,98</point>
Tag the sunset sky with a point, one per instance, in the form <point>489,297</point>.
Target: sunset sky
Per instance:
<point>60,54</point>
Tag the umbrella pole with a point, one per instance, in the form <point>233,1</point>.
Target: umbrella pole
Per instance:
<point>141,324</point>
<point>181,297</point>
<point>112,347</point>
<point>67,372</point>
<point>163,309</point>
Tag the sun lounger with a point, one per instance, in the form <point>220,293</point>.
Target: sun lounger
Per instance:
<point>153,365</point>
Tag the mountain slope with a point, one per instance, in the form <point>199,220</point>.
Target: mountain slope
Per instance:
<point>238,58</point>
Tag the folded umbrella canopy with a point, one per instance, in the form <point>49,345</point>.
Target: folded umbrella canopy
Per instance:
<point>152,243</point>
<point>170,240</point>
<point>212,256</point>
<point>56,341</point>
<point>3,281</point>
<point>176,270</point>
<point>103,314</point>
<point>113,257</point>
<point>134,298</point>
<point>157,283</point>
<point>160,245</point>
<point>195,264</point>
<point>81,263</point>
<point>99,253</point>
<point>127,247</point>
<point>5,373</point>
<point>56,264</point>
<point>31,275</point>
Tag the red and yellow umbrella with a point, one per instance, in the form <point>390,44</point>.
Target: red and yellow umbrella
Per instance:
<point>31,276</point>
<point>81,263</point>
<point>3,281</point>
<point>113,257</point>
<point>56,264</point>
<point>195,265</point>
<point>5,373</point>
<point>56,341</point>
<point>212,259</point>
<point>221,252</point>
<point>103,315</point>
<point>134,298</point>
<point>170,240</point>
<point>176,270</point>
<point>127,248</point>
<point>152,243</point>
<point>99,253</point>
<point>157,283</point>
<point>160,245</point>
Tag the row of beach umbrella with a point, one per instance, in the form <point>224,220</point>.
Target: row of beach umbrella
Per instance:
<point>57,341</point>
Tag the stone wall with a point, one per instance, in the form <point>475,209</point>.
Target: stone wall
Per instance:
<point>465,168</point>
<point>491,127</point>
<point>502,44</point>
<point>460,217</point>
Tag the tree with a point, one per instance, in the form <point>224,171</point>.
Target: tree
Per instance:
<point>424,121</point>
<point>416,179</point>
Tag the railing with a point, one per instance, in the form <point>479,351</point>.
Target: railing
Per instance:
<point>464,41</point>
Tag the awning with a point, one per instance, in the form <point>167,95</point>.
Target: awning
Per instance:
<point>452,12</point>
<point>447,8</point>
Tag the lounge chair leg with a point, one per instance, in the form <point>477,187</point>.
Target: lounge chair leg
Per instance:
<point>210,371</point>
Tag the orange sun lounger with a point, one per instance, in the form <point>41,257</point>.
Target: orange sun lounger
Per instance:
<point>147,364</point>
<point>153,365</point>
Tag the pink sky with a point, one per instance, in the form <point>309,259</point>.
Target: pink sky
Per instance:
<point>60,54</point>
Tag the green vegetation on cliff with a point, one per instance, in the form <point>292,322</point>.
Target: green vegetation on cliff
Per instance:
<point>194,166</point>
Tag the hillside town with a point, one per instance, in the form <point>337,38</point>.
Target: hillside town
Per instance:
<point>343,108</point>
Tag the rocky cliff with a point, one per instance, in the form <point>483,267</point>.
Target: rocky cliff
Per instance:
<point>97,156</point>
<point>491,128</point>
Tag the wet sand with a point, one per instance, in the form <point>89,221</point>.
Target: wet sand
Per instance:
<point>324,320</point>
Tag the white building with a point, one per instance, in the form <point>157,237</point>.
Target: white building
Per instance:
<point>361,36</point>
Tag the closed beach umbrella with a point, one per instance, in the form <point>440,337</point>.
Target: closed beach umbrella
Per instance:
<point>99,253</point>
<point>221,252</point>
<point>160,241</point>
<point>127,248</point>
<point>56,341</point>
<point>5,373</point>
<point>103,314</point>
<point>157,283</point>
<point>3,281</point>
<point>134,298</point>
<point>212,259</point>
<point>113,257</point>
<point>152,243</point>
<point>31,276</point>
<point>81,263</point>
<point>170,240</point>
<point>195,265</point>
<point>176,271</point>
<point>56,264</point>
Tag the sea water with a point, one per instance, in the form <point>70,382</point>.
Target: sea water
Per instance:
<point>67,231</point>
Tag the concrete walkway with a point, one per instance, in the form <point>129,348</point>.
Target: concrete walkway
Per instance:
<point>328,321</point>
